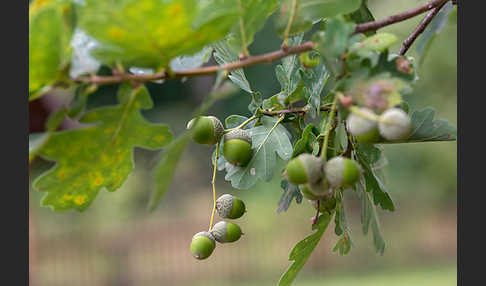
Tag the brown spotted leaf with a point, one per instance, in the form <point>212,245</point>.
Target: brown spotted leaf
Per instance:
<point>101,154</point>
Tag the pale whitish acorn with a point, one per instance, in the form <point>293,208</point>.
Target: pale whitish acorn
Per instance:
<point>229,206</point>
<point>237,147</point>
<point>363,129</point>
<point>207,130</point>
<point>224,231</point>
<point>394,124</point>
<point>304,168</point>
<point>341,172</point>
<point>202,245</point>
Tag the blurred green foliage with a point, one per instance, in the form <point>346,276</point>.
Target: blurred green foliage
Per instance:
<point>421,177</point>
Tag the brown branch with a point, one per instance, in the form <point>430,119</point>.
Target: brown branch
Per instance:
<point>375,25</point>
<point>252,60</point>
<point>420,29</point>
<point>293,110</point>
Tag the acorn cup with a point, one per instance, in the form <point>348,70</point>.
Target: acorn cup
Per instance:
<point>224,232</point>
<point>237,147</point>
<point>363,129</point>
<point>202,245</point>
<point>207,130</point>
<point>229,206</point>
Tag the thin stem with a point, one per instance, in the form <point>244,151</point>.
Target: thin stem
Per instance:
<point>213,183</point>
<point>242,124</point>
<point>250,61</point>
<point>289,23</point>
<point>294,110</point>
<point>419,29</point>
<point>330,119</point>
<point>375,25</point>
<point>269,133</point>
<point>368,116</point>
<point>242,32</point>
<point>316,217</point>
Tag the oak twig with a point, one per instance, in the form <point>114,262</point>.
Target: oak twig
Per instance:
<point>420,28</point>
<point>252,60</point>
<point>375,25</point>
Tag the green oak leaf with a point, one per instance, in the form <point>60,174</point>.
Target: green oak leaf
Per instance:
<point>373,182</point>
<point>289,77</point>
<point>341,138</point>
<point>150,33</point>
<point>362,15</point>
<point>308,142</point>
<point>50,31</point>
<point>38,140</point>
<point>343,245</point>
<point>303,249</point>
<point>333,42</point>
<point>310,11</point>
<point>345,242</point>
<point>369,216</point>
<point>290,192</point>
<point>376,43</point>
<point>275,102</point>
<point>253,14</point>
<point>314,81</point>
<point>224,54</point>
<point>427,129</point>
<point>266,146</point>
<point>165,169</point>
<point>432,30</point>
<point>101,154</point>
<point>193,61</point>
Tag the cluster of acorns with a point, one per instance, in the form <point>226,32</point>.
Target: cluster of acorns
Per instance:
<point>393,124</point>
<point>237,142</point>
<point>317,179</point>
<point>209,130</point>
<point>204,242</point>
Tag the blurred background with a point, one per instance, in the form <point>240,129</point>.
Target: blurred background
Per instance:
<point>116,241</point>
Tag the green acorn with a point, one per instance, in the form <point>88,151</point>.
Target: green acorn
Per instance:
<point>224,231</point>
<point>395,124</point>
<point>207,130</point>
<point>341,172</point>
<point>237,147</point>
<point>202,245</point>
<point>303,169</point>
<point>229,206</point>
<point>363,129</point>
<point>325,205</point>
